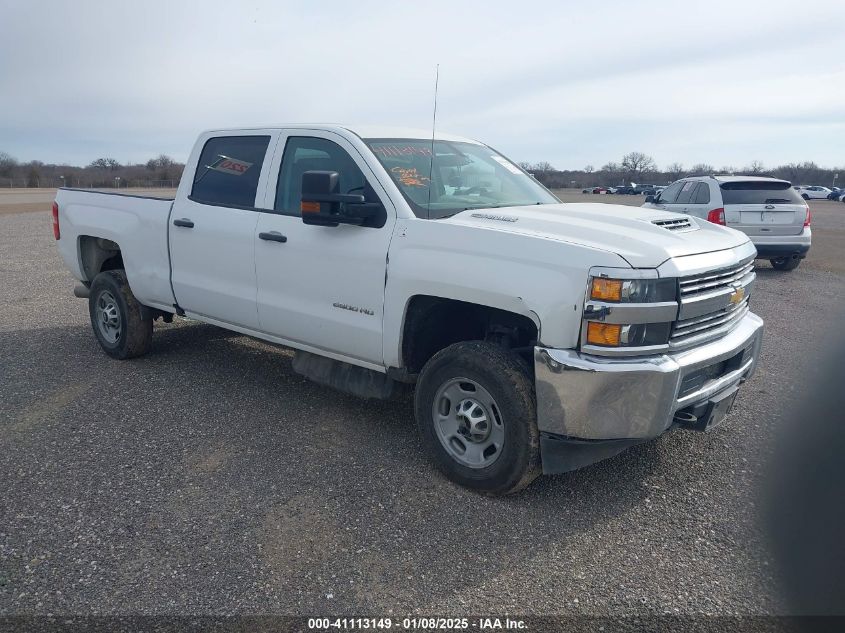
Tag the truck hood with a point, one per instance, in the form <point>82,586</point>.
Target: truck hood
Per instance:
<point>630,232</point>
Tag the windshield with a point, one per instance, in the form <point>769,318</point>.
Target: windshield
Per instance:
<point>464,176</point>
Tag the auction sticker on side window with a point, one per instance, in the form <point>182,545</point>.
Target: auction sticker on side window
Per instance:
<point>232,166</point>
<point>507,165</point>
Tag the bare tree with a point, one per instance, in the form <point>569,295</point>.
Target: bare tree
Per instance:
<point>675,171</point>
<point>756,167</point>
<point>162,161</point>
<point>33,174</point>
<point>588,169</point>
<point>7,164</point>
<point>543,166</point>
<point>105,163</point>
<point>701,169</point>
<point>637,163</point>
<point>613,172</point>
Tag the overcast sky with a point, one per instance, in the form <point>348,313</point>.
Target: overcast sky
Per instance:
<point>572,83</point>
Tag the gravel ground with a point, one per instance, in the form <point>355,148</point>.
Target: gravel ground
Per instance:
<point>208,478</point>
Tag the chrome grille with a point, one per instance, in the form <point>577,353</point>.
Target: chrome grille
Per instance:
<point>688,330</point>
<point>679,224</point>
<point>714,280</point>
<point>714,286</point>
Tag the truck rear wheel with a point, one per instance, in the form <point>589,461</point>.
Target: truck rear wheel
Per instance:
<point>476,413</point>
<point>117,318</point>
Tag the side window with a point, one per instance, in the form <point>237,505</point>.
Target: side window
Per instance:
<point>228,170</point>
<point>304,153</point>
<point>669,194</point>
<point>702,194</point>
<point>685,194</point>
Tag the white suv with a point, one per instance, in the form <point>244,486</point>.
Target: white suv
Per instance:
<point>814,192</point>
<point>770,211</point>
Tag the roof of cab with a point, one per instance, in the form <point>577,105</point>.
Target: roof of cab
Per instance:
<point>363,131</point>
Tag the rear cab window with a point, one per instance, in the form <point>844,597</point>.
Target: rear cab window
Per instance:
<point>228,170</point>
<point>759,192</point>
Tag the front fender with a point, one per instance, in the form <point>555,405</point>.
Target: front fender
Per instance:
<point>541,279</point>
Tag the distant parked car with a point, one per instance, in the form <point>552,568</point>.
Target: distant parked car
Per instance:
<point>599,190</point>
<point>625,190</point>
<point>770,211</point>
<point>643,188</point>
<point>835,193</point>
<point>813,192</point>
<point>611,190</point>
<point>587,190</point>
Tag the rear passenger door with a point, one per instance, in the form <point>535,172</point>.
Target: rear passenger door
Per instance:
<point>212,228</point>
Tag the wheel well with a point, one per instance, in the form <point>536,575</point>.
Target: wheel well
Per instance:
<point>98,254</point>
<point>433,323</point>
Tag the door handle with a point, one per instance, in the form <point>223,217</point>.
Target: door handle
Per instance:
<point>273,236</point>
<point>188,224</point>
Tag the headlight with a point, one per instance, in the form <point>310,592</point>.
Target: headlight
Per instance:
<point>633,290</point>
<point>635,335</point>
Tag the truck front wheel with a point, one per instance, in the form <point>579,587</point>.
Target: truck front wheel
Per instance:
<point>117,317</point>
<point>476,413</point>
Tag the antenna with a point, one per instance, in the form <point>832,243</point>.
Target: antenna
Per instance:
<point>433,125</point>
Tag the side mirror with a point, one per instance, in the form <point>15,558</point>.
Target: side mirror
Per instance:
<point>650,199</point>
<point>322,204</point>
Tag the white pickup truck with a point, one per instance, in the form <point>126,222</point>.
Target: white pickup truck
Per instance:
<point>540,336</point>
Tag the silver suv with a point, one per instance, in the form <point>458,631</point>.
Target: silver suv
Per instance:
<point>768,210</point>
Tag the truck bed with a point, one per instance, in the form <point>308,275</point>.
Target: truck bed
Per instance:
<point>138,224</point>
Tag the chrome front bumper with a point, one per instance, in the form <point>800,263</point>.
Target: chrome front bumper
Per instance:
<point>583,397</point>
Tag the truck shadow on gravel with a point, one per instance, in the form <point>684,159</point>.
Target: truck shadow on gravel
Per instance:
<point>301,489</point>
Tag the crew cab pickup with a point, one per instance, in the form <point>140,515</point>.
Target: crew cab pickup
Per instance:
<point>539,336</point>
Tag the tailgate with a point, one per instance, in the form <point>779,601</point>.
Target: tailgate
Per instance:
<point>763,207</point>
<point>766,219</point>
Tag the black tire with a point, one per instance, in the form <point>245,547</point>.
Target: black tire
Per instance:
<point>135,333</point>
<point>506,378</point>
<point>805,196</point>
<point>785,263</point>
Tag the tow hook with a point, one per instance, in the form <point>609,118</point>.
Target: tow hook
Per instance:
<point>685,418</point>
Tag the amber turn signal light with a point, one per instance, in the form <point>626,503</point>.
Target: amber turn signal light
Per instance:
<point>309,207</point>
<point>606,289</point>
<point>603,333</point>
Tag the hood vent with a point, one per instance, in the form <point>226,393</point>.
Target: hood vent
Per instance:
<point>679,225</point>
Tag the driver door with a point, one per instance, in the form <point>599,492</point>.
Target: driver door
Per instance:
<point>322,288</point>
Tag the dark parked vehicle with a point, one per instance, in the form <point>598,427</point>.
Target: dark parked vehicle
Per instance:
<point>645,190</point>
<point>835,193</point>
<point>625,190</point>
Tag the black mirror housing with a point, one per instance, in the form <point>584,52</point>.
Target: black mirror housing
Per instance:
<point>649,198</point>
<point>322,204</point>
<point>319,183</point>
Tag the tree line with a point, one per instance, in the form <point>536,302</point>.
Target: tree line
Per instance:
<point>161,171</point>
<point>638,167</point>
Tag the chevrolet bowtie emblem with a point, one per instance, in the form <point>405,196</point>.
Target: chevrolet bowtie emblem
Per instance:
<point>737,295</point>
